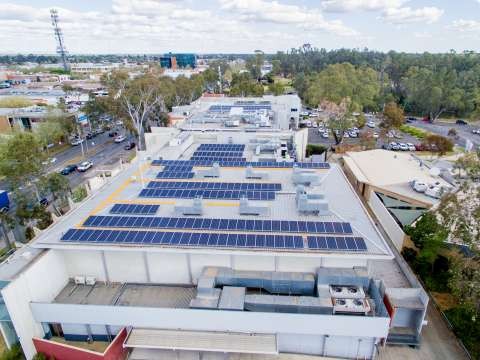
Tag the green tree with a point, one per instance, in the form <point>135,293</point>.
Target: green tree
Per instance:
<point>339,117</point>
<point>20,159</point>
<point>433,92</point>
<point>276,89</point>
<point>393,116</point>
<point>58,186</point>
<point>340,81</point>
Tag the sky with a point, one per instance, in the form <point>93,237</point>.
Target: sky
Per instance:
<point>239,26</point>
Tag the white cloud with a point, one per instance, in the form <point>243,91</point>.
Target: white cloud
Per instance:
<point>364,5</point>
<point>406,15</point>
<point>466,26</point>
<point>278,13</point>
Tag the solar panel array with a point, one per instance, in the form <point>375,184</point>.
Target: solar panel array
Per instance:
<point>215,158</point>
<point>228,154</point>
<point>246,108</point>
<point>176,171</point>
<point>207,194</point>
<point>221,147</point>
<point>134,209</point>
<point>235,163</point>
<point>336,243</point>
<point>186,239</point>
<point>214,185</point>
<point>285,226</point>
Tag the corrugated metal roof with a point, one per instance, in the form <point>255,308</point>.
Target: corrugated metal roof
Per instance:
<point>202,341</point>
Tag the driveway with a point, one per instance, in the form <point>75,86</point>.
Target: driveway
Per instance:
<point>441,128</point>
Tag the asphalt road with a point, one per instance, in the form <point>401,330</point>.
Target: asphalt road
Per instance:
<point>104,152</point>
<point>464,132</point>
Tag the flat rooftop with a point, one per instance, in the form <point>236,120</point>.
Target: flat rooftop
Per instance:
<point>392,171</point>
<point>344,204</point>
<point>143,295</point>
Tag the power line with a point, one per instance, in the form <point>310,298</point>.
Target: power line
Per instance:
<point>61,49</point>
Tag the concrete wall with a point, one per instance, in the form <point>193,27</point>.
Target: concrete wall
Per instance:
<point>41,281</point>
<point>194,319</point>
<point>182,268</point>
<point>157,139</point>
<point>393,230</point>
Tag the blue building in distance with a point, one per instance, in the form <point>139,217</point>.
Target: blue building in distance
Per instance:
<point>173,61</point>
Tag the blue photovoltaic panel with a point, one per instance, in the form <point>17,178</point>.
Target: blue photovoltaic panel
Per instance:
<point>207,194</point>
<point>214,158</point>
<point>236,163</point>
<point>228,154</point>
<point>184,239</point>
<point>134,209</point>
<point>175,175</point>
<point>338,243</point>
<point>221,147</point>
<point>214,185</point>
<point>208,224</point>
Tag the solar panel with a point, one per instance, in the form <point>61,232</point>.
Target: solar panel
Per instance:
<point>138,209</point>
<point>185,239</point>
<point>238,163</point>
<point>207,224</point>
<point>207,194</point>
<point>214,185</point>
<point>340,243</point>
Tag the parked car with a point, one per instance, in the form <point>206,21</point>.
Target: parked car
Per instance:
<point>76,142</point>
<point>120,138</point>
<point>476,131</point>
<point>129,146</point>
<point>68,169</point>
<point>393,146</point>
<point>113,134</point>
<point>119,122</point>
<point>461,122</point>
<point>84,166</point>
<point>419,186</point>
<point>403,147</point>
<point>89,136</point>
<point>375,135</point>
<point>49,161</point>
<point>314,124</point>
<point>411,147</point>
<point>371,124</point>
<point>353,134</point>
<point>325,135</point>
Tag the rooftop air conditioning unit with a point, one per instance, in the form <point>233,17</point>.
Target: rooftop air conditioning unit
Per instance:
<point>347,292</point>
<point>90,280</point>
<point>79,280</point>
<point>351,306</point>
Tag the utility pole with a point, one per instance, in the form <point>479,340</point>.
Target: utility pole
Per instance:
<point>220,78</point>
<point>61,50</point>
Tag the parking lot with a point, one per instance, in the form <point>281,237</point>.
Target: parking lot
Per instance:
<point>316,137</point>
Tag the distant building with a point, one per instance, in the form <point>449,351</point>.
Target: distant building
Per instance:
<point>173,61</point>
<point>92,68</point>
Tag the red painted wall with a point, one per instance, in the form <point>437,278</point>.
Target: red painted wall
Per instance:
<point>115,350</point>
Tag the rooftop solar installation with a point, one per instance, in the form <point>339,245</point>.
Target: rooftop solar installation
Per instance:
<point>236,163</point>
<point>336,243</point>
<point>278,226</point>
<point>221,147</point>
<point>134,209</point>
<point>232,154</point>
<point>216,158</point>
<point>175,175</point>
<point>214,185</point>
<point>176,171</point>
<point>207,194</point>
<point>185,239</point>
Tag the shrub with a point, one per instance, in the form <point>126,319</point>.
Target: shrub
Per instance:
<point>14,353</point>
<point>315,149</point>
<point>418,133</point>
<point>466,326</point>
<point>79,194</point>
<point>29,233</point>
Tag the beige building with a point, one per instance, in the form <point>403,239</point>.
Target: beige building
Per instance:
<point>385,181</point>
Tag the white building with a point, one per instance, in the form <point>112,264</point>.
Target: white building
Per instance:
<point>235,254</point>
